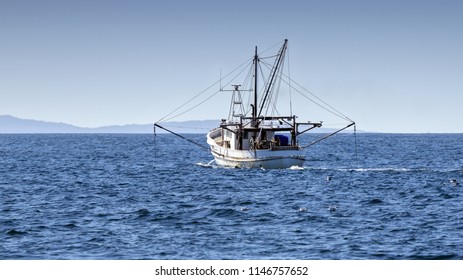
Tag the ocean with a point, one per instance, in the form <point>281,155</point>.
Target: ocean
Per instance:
<point>136,196</point>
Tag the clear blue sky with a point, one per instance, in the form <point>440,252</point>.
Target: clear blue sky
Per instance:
<point>392,66</point>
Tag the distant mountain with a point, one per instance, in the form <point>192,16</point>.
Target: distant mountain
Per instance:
<point>10,124</point>
<point>178,127</point>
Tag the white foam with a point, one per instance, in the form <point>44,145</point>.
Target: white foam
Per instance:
<point>380,169</point>
<point>295,167</point>
<point>207,165</point>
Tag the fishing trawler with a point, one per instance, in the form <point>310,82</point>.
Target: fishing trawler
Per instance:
<point>255,134</point>
<point>259,140</point>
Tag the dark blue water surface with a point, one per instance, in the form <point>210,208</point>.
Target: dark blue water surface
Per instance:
<point>119,197</point>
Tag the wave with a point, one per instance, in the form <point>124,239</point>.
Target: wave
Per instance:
<point>12,232</point>
<point>450,256</point>
<point>143,212</point>
<point>374,201</point>
<point>373,169</point>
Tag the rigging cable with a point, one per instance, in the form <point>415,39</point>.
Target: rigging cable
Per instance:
<point>274,73</point>
<point>165,118</point>
<point>247,84</point>
<point>355,136</point>
<point>266,82</point>
<point>332,111</point>
<point>200,103</point>
<point>176,134</point>
<point>154,140</point>
<point>327,136</point>
<point>289,86</point>
<point>276,87</point>
<point>274,103</point>
<point>269,48</point>
<point>186,111</point>
<point>272,90</point>
<point>199,94</point>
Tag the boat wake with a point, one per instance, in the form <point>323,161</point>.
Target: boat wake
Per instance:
<point>208,165</point>
<point>385,169</point>
<point>379,169</point>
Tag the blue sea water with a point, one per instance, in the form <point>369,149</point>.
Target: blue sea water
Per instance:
<point>112,196</point>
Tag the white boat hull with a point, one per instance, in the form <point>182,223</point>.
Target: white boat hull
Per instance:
<point>267,159</point>
<point>274,162</point>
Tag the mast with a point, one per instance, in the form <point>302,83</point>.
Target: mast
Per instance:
<point>254,108</point>
<point>275,69</point>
